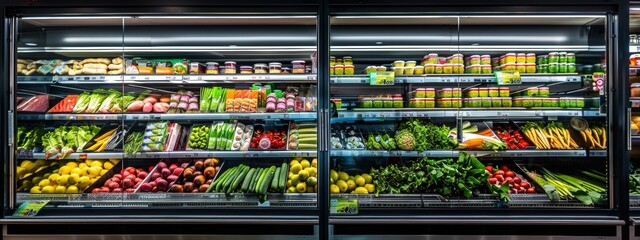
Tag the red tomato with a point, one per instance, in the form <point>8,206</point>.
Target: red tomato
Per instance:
<point>489,168</point>
<point>509,174</point>
<point>500,178</point>
<point>525,184</point>
<point>493,180</point>
<point>517,180</point>
<point>522,190</point>
<point>498,173</point>
<point>504,168</point>
<point>531,190</point>
<point>490,175</point>
<point>514,190</point>
<point>508,179</point>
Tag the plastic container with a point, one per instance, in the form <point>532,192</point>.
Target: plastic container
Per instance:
<point>398,63</point>
<point>543,91</point>
<point>458,58</point>
<point>571,58</point>
<point>420,103</point>
<point>521,67</point>
<point>510,58</point>
<point>509,67</point>
<point>397,101</point>
<point>579,102</point>
<point>474,60</point>
<point>332,70</point>
<point>430,92</point>
<point>473,92</point>
<point>212,68</point>
<point>552,57</point>
<point>418,70</point>
<point>409,70</point>
<point>531,58</point>
<point>445,93</point>
<point>378,102</point>
<point>260,68</point>
<point>563,102</point>
<point>276,68</point>
<point>366,102</point>
<point>433,58</point>
<point>348,70</point>
<point>506,101</point>
<point>537,102</point>
<point>562,57</point>
<point>337,69</point>
<point>429,68</point>
<point>338,102</point>
<point>458,68</point>
<point>553,102</point>
<point>485,60</point>
<point>475,69</point>
<point>530,67</point>
<point>438,69</point>
<point>346,60</point>
<point>528,102</point>
<point>475,102</point>
<point>456,102</point>
<point>387,102</point>
<point>521,58</point>
<point>429,103</point>
<point>494,92</point>
<point>456,92</point>
<point>299,65</point>
<point>517,102</point>
<point>571,67</point>
<point>485,69</point>
<point>562,68</point>
<point>483,92</point>
<point>332,60</point>
<point>420,93</point>
<point>398,70</point>
<point>504,91</point>
<point>531,92</point>
<point>229,67</point>
<point>553,67</point>
<point>381,69</point>
<point>246,70</point>
<point>413,102</point>
<point>444,103</point>
<point>541,60</point>
<point>410,64</point>
<point>486,102</point>
<point>447,68</point>
<point>496,102</point>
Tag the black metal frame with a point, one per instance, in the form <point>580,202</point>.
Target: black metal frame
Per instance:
<point>617,92</point>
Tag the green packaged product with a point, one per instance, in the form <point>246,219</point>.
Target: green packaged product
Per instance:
<point>506,102</point>
<point>527,102</point>
<point>537,102</point>
<point>552,68</point>
<point>562,68</point>
<point>486,102</point>
<point>580,102</point>
<point>445,103</point>
<point>543,91</point>
<point>553,57</point>
<point>430,103</point>
<point>366,103</point>
<point>456,102</point>
<point>398,102</point>
<point>446,93</point>
<point>494,92</point>
<point>420,103</point>
<point>531,92</point>
<point>456,92</point>
<point>571,67</point>
<point>473,92</point>
<point>571,58</point>
<point>496,102</point>
<point>563,103</point>
<point>483,92</point>
<point>378,103</point>
<point>562,57</point>
<point>387,102</point>
<point>504,92</point>
<point>517,102</point>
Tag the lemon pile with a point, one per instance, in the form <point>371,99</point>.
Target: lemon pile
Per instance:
<point>303,176</point>
<point>73,177</point>
<point>341,182</point>
<point>28,167</point>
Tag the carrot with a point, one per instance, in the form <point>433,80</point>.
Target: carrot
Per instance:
<point>472,143</point>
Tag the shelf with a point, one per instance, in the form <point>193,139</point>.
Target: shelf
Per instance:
<point>170,117</point>
<point>368,153</point>
<point>460,78</point>
<point>635,102</point>
<point>463,112</point>
<point>183,200</point>
<point>177,154</point>
<point>167,79</point>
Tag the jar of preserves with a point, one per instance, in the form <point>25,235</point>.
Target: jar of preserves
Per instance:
<point>276,68</point>
<point>408,70</point>
<point>517,102</point>
<point>429,103</point>
<point>447,68</point>
<point>337,69</point>
<point>398,70</point>
<point>562,67</point>
<point>366,102</point>
<point>430,92</point>
<point>445,93</point>
<point>562,57</point>
<point>530,67</point>
<point>332,70</point>
<point>474,60</point>
<point>504,91</point>
<point>543,91</point>
<point>509,67</point>
<point>332,61</point>
<point>346,60</point>
<point>494,92</point>
<point>438,69</point>
<point>348,70</point>
<point>496,102</point>
<point>260,68</point>
<point>246,70</point>
<point>571,58</point>
<point>410,64</point>
<point>473,92</point>
<point>299,66</point>
<point>412,103</point>
<point>397,101</point>
<point>212,68</point>
<point>521,68</point>
<point>552,57</point>
<point>552,67</point>
<point>458,68</point>
<point>571,67</point>
<point>420,103</point>
<point>398,63</point>
<point>506,102</point>
<point>486,69</point>
<point>483,92</point>
<point>418,70</point>
<point>456,92</point>
<point>429,68</point>
<point>230,67</point>
<point>531,58</point>
<point>420,93</point>
<point>475,69</point>
<point>485,60</point>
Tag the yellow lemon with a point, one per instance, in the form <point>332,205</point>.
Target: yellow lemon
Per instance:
<point>47,189</point>
<point>370,188</point>
<point>107,165</point>
<point>361,190</point>
<point>313,172</point>
<point>42,162</point>
<point>63,180</point>
<point>72,189</point>
<point>343,176</point>
<point>312,181</point>
<point>83,165</point>
<point>301,187</point>
<point>103,172</point>
<point>303,175</point>
<point>293,162</point>
<point>94,171</point>
<point>305,163</point>
<point>35,189</point>
<point>360,181</point>
<point>291,190</point>
<point>21,172</point>
<point>54,177</point>
<point>36,180</point>
<point>351,184</point>
<point>83,182</point>
<point>314,163</point>
<point>295,179</point>
<point>289,183</point>
<point>96,164</point>
<point>76,171</point>
<point>335,188</point>
<point>367,178</point>
<point>74,178</point>
<point>88,162</point>
<point>295,168</point>
<point>25,163</point>
<point>334,175</point>
<point>65,170</point>
<point>72,164</point>
<point>60,189</point>
<point>342,185</point>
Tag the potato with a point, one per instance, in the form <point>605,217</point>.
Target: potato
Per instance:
<point>135,106</point>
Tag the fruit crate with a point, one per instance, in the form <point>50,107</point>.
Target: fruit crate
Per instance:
<point>179,162</point>
<point>116,170</point>
<point>182,179</point>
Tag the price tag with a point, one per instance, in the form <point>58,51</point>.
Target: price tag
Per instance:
<point>82,156</point>
<point>264,204</point>
<point>508,78</point>
<point>344,206</point>
<point>382,78</point>
<point>30,208</point>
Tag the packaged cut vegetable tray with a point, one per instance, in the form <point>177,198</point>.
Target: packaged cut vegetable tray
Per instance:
<point>269,137</point>
<point>199,137</point>
<point>155,135</point>
<point>353,138</point>
<point>221,136</point>
<point>302,136</point>
<point>66,105</point>
<point>242,137</point>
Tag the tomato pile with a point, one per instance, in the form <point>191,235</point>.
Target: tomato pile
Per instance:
<point>513,138</point>
<point>270,139</point>
<point>505,176</point>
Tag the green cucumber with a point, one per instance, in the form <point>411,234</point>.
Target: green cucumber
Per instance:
<point>313,140</point>
<point>237,174</point>
<point>227,181</point>
<point>239,179</point>
<point>274,181</point>
<point>307,146</point>
<point>222,180</point>
<point>261,179</point>
<point>267,180</point>
<point>252,185</point>
<point>247,180</point>
<point>212,186</point>
<point>307,130</point>
<point>282,185</point>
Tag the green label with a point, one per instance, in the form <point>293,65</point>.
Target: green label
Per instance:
<point>382,78</point>
<point>30,208</point>
<point>341,206</point>
<point>508,78</point>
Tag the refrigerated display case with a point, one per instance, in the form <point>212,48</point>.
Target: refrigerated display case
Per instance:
<point>634,138</point>
<point>446,116</point>
<point>198,118</point>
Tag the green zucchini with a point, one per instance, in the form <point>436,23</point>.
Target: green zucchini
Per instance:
<point>283,176</point>
<point>274,181</point>
<point>239,179</point>
<point>261,179</point>
<point>267,180</point>
<point>228,181</point>
<point>313,140</point>
<point>222,180</point>
<point>252,185</point>
<point>247,180</point>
